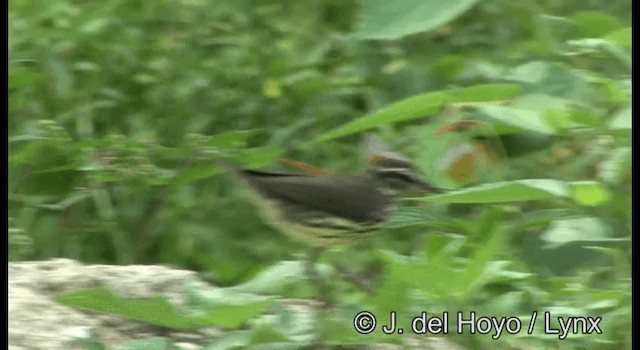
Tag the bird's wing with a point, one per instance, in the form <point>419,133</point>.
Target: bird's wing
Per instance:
<point>350,197</point>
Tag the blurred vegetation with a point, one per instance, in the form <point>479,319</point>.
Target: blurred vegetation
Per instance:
<point>115,109</point>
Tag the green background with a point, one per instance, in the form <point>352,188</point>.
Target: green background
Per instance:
<point>117,110</point>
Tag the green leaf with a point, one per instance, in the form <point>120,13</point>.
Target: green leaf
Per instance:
<point>504,304</point>
<point>230,340</point>
<point>621,37</point>
<point>393,291</point>
<point>538,101</point>
<point>622,119</point>
<point>442,245</point>
<point>508,191</point>
<point>23,77</point>
<point>586,229</point>
<point>268,333</point>
<point>444,280</point>
<point>73,198</point>
<point>95,25</point>
<point>232,316</point>
<point>614,168</point>
<point>590,193</point>
<point>340,330</point>
<point>296,325</point>
<point>157,311</point>
<point>21,138</point>
<point>406,217</point>
<point>232,139</point>
<point>555,31</point>
<point>403,272</point>
<point>517,119</point>
<point>194,173</point>
<point>483,93</point>
<point>474,275</point>
<point>594,23</point>
<point>560,118</point>
<point>389,20</point>
<point>591,45</point>
<point>229,311</point>
<point>424,105</point>
<point>496,271</point>
<point>531,72</point>
<point>274,277</point>
<point>540,218</point>
<point>448,67</point>
<point>582,192</point>
<point>553,79</point>
<point>225,307</point>
<point>259,157</point>
<point>420,106</point>
<point>92,344</point>
<point>155,343</point>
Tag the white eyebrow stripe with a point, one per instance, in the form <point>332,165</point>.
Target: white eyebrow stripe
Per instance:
<point>394,170</point>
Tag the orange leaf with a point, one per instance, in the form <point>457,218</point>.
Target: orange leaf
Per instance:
<point>486,151</point>
<point>464,161</point>
<point>460,165</point>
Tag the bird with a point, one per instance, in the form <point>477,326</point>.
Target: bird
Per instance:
<point>326,210</point>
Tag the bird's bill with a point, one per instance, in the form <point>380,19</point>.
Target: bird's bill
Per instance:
<point>426,188</point>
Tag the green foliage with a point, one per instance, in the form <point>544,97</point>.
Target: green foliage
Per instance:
<point>384,20</point>
<point>156,343</point>
<point>119,110</point>
<point>584,192</point>
<point>158,311</point>
<point>154,311</point>
<point>423,105</point>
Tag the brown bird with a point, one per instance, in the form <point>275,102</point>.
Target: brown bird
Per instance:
<point>334,209</point>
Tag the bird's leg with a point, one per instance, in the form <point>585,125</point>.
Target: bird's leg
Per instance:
<point>353,278</point>
<point>312,272</point>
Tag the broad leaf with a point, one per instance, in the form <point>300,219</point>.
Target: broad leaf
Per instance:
<point>388,20</point>
<point>422,106</point>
